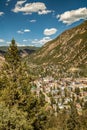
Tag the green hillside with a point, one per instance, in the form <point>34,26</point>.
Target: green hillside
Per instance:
<point>68,51</point>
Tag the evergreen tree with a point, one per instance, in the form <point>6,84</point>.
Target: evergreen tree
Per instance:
<point>12,56</point>
<point>19,107</point>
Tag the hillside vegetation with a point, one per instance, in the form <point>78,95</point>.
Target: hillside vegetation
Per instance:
<point>20,109</point>
<point>23,108</point>
<point>68,51</point>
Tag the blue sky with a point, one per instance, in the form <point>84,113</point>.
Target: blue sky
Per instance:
<point>34,22</point>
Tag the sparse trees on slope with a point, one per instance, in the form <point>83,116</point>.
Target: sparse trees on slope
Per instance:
<point>73,120</point>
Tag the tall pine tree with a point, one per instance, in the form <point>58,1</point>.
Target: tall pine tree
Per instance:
<point>20,109</point>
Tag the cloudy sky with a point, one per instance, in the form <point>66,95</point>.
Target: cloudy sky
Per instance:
<point>34,22</point>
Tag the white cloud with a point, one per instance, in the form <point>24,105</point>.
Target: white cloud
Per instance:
<point>20,32</point>
<point>32,21</point>
<point>6,4</point>
<point>44,12</point>
<point>19,44</point>
<point>25,40</point>
<point>2,40</point>
<point>50,31</point>
<point>23,31</point>
<point>29,8</point>
<point>26,30</point>
<point>42,41</point>
<point>72,16</point>
<point>1,13</point>
<point>8,42</point>
<point>8,0</point>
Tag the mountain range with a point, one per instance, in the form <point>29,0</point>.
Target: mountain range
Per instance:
<point>23,50</point>
<point>68,51</point>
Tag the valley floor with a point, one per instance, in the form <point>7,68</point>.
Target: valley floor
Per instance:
<point>60,92</point>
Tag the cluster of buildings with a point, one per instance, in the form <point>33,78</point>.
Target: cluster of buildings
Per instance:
<point>60,92</point>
